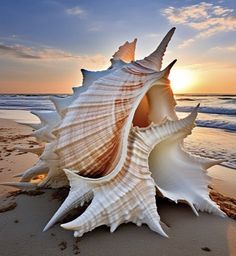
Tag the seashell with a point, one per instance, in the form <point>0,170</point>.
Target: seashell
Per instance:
<point>130,195</point>
<point>118,139</point>
<point>125,54</point>
<point>50,120</point>
<point>127,85</point>
<point>35,150</point>
<point>99,135</point>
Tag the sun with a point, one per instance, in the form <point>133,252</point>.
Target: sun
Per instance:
<point>181,80</point>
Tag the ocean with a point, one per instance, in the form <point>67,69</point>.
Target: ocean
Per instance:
<point>214,136</point>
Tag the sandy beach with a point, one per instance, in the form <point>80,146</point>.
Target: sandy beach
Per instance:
<point>24,215</point>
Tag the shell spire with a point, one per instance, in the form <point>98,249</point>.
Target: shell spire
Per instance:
<point>154,60</point>
<point>126,52</point>
<point>166,71</point>
<point>124,55</point>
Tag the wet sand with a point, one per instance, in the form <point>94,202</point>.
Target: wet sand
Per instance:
<point>24,215</point>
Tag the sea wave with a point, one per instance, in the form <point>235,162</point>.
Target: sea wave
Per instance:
<point>30,106</point>
<point>185,99</point>
<point>23,102</point>
<point>218,124</point>
<point>208,110</point>
<point>227,98</point>
<point>216,120</point>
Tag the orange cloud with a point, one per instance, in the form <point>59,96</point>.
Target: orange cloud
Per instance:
<point>229,48</point>
<point>43,70</point>
<point>23,52</point>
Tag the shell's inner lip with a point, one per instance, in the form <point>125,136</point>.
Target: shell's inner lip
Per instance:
<point>156,105</point>
<point>141,116</point>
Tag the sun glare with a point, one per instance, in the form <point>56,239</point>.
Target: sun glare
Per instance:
<point>181,80</point>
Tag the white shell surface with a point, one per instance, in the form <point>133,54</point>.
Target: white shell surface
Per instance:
<point>92,135</point>
<point>50,120</point>
<point>96,120</point>
<point>97,123</point>
<point>130,195</point>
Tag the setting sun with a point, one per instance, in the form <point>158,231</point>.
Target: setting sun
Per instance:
<point>181,80</point>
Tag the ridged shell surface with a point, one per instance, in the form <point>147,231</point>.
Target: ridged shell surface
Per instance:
<point>115,141</point>
<point>96,119</point>
<point>130,195</point>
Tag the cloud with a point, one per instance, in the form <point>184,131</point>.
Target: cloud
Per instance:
<point>206,18</point>
<point>229,48</point>
<point>212,65</point>
<point>186,43</point>
<point>24,52</point>
<point>17,51</point>
<point>186,14</point>
<point>153,35</point>
<point>31,53</point>
<point>76,11</point>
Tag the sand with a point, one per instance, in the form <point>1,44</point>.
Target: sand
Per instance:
<point>23,216</point>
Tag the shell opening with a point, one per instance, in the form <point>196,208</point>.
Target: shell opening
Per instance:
<point>157,104</point>
<point>141,118</point>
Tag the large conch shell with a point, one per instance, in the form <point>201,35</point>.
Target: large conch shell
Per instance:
<point>130,195</point>
<point>118,139</point>
<point>107,101</point>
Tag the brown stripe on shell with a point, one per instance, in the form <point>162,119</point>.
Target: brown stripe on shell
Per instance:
<point>90,138</point>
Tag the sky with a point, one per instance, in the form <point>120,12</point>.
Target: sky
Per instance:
<point>44,44</point>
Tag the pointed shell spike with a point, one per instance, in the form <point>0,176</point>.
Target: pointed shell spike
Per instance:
<point>20,185</point>
<point>166,71</point>
<point>46,117</point>
<point>60,103</point>
<point>79,192</point>
<point>37,151</point>
<point>35,126</point>
<point>40,168</point>
<point>187,169</point>
<point>18,175</point>
<point>126,52</point>
<point>124,55</point>
<point>208,163</point>
<point>154,60</point>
